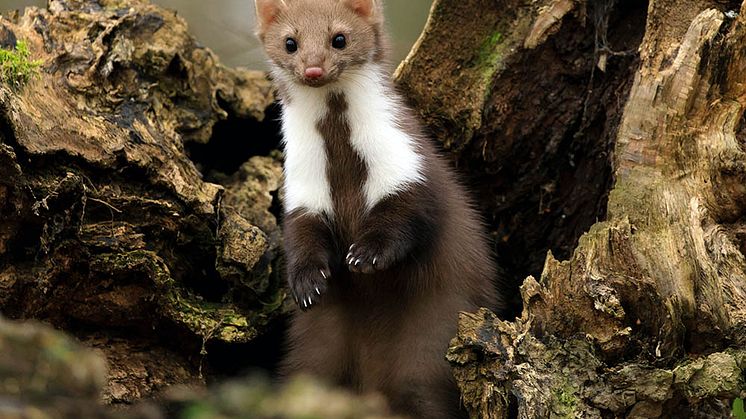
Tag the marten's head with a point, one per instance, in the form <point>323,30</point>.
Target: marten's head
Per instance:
<point>313,42</point>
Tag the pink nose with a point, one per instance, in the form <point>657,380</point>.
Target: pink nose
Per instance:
<point>314,72</point>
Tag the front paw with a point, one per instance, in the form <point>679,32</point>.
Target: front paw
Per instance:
<point>368,256</point>
<point>308,284</point>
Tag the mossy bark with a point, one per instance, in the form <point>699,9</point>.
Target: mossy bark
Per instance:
<point>513,91</point>
<point>646,317</point>
<point>107,227</point>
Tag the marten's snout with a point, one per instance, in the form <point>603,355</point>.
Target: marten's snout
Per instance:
<point>314,73</point>
<point>315,76</point>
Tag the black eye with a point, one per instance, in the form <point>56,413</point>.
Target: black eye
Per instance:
<point>339,41</point>
<point>291,45</point>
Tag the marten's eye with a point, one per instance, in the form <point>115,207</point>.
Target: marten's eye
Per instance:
<point>339,41</point>
<point>291,45</point>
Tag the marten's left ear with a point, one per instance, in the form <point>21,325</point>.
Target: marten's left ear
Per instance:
<point>266,13</point>
<point>364,8</point>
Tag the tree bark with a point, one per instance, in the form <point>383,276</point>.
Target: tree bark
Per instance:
<point>513,92</point>
<point>646,317</point>
<point>108,229</point>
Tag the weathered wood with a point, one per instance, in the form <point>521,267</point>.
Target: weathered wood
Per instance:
<point>107,227</point>
<point>513,92</point>
<point>647,317</point>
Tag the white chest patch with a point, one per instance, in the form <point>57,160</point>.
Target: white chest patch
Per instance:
<point>306,183</point>
<point>389,154</point>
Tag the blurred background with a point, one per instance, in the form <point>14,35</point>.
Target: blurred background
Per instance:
<point>227,29</point>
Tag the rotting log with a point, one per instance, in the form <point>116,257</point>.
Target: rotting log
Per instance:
<point>107,228</point>
<point>647,316</point>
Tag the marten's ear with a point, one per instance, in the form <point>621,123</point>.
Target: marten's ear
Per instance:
<point>267,11</point>
<point>364,8</point>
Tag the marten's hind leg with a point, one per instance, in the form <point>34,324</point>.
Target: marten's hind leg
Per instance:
<point>317,346</point>
<point>420,382</point>
<point>430,394</point>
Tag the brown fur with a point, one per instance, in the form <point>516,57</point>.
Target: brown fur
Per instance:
<point>386,326</point>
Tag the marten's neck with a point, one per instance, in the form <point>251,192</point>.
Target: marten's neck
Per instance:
<point>370,122</point>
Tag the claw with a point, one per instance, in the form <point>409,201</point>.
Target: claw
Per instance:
<point>317,291</point>
<point>357,262</point>
<point>375,259</point>
<point>352,246</point>
<point>322,274</point>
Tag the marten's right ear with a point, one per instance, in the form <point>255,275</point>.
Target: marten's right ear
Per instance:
<point>365,8</point>
<point>266,13</point>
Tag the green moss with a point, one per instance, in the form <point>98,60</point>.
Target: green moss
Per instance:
<point>488,52</point>
<point>488,56</point>
<point>738,409</point>
<point>16,67</point>
<point>222,321</point>
<point>209,320</point>
<point>565,401</point>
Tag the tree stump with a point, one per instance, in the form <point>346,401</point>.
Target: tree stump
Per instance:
<point>646,316</point>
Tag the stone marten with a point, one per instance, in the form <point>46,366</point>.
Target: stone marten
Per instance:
<point>382,245</point>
